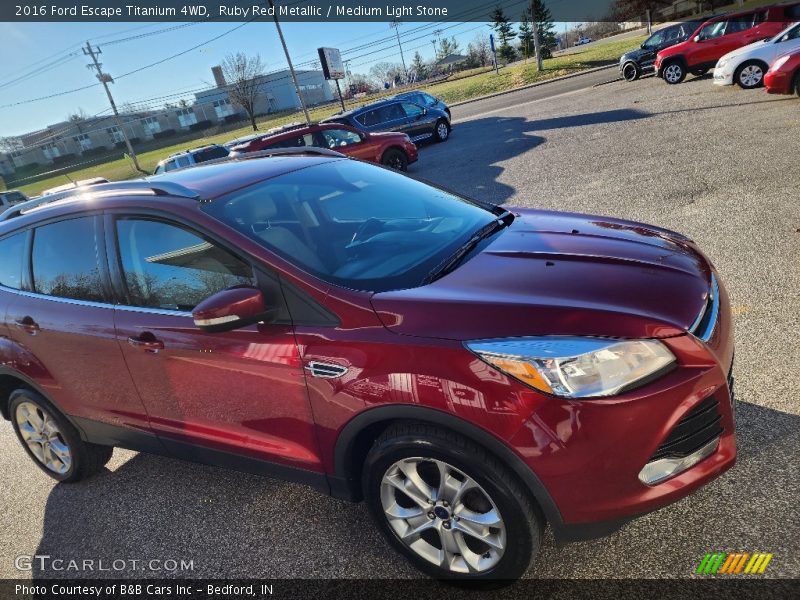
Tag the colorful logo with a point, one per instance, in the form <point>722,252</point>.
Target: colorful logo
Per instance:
<point>734,564</point>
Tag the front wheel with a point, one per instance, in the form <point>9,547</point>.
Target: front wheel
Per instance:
<point>674,73</point>
<point>630,71</point>
<point>395,159</point>
<point>750,75</point>
<point>51,441</point>
<point>442,130</point>
<point>796,84</point>
<point>450,507</point>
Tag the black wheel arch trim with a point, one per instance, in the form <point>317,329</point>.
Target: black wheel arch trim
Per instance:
<point>28,382</point>
<point>344,484</point>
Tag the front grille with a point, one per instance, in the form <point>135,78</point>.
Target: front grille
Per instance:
<point>697,428</point>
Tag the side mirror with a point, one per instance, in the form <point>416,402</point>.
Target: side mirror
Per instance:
<point>697,38</point>
<point>231,309</point>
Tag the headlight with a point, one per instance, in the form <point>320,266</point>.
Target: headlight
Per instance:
<point>722,62</point>
<point>780,62</point>
<point>576,367</point>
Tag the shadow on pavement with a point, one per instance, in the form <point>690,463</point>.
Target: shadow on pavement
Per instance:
<point>467,162</point>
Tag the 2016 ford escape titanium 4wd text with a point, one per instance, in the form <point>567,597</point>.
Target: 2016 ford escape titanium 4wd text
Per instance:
<point>472,372</point>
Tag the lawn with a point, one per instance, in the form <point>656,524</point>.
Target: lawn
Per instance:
<point>463,86</point>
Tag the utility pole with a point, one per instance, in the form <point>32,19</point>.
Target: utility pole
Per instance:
<point>536,45</point>
<point>289,60</point>
<point>105,79</point>
<point>396,25</point>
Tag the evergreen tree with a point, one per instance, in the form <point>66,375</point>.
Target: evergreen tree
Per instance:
<point>505,32</point>
<point>419,67</point>
<point>526,46</point>
<point>544,23</point>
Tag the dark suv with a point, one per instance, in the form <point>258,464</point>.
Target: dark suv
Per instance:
<point>396,114</point>
<point>425,100</point>
<point>472,372</point>
<point>635,63</point>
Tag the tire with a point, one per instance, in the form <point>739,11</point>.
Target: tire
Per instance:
<point>417,452</point>
<point>699,72</point>
<point>674,72</point>
<point>395,159</point>
<point>796,84</point>
<point>750,74</point>
<point>441,131</point>
<point>64,456</point>
<point>631,71</point>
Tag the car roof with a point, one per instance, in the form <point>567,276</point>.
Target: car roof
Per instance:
<point>191,150</point>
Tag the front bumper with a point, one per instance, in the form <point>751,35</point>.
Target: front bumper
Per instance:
<point>777,83</point>
<point>589,454</point>
<point>723,77</point>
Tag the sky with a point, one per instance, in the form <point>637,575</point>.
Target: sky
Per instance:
<point>40,59</point>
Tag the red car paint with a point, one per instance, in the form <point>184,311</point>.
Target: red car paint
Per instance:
<point>372,148</point>
<point>119,371</point>
<point>786,78</point>
<point>764,22</point>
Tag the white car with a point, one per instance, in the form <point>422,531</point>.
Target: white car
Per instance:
<point>583,40</point>
<point>748,65</point>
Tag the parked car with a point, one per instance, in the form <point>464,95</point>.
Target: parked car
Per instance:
<point>783,76</point>
<point>583,40</point>
<point>636,63</point>
<point>190,158</point>
<point>395,150</point>
<point>425,100</point>
<point>471,371</point>
<point>394,114</point>
<point>240,140</point>
<point>10,198</point>
<point>747,66</point>
<point>720,35</point>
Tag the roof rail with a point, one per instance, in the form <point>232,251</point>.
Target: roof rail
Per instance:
<point>142,186</point>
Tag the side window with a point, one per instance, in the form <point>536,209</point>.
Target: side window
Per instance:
<point>713,30</point>
<point>65,260</point>
<point>181,162</point>
<point>392,112</point>
<point>12,249</point>
<point>169,267</point>
<point>338,138</point>
<point>656,39</point>
<point>428,100</point>
<point>792,34</point>
<point>412,110</point>
<point>369,118</point>
<point>159,170</point>
<point>170,165</point>
<point>739,24</point>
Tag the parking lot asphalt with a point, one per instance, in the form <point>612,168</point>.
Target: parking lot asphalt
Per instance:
<point>719,165</point>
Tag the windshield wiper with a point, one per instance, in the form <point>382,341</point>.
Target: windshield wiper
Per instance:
<point>451,262</point>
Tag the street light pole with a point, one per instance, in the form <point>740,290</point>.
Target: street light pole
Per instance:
<point>289,61</point>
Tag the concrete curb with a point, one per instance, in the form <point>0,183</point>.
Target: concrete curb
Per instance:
<point>533,85</point>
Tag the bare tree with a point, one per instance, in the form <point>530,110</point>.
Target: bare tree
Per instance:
<point>78,118</point>
<point>241,75</point>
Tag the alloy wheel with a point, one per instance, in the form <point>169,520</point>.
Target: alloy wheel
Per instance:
<point>43,438</point>
<point>443,515</point>
<point>442,131</point>
<point>673,73</point>
<point>751,76</point>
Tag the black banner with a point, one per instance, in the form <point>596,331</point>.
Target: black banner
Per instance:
<point>734,587</point>
<point>291,10</point>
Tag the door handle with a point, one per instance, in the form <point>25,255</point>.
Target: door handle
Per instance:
<point>28,325</point>
<point>147,342</point>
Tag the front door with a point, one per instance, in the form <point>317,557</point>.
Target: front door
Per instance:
<point>219,398</point>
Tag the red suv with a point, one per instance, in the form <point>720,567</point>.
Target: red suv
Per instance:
<point>720,35</point>
<point>470,371</point>
<point>783,76</point>
<point>395,150</point>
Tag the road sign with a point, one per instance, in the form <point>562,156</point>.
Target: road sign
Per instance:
<point>332,66</point>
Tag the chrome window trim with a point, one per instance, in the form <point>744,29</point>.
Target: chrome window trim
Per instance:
<point>706,334</point>
<point>91,304</point>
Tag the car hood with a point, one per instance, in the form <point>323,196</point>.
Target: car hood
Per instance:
<point>555,273</point>
<point>632,55</point>
<point>676,49</point>
<point>754,49</point>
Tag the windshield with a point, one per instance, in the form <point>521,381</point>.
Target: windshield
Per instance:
<point>354,225</point>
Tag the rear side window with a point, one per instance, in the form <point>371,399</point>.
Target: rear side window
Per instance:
<point>170,268</point>
<point>65,260</point>
<point>369,118</point>
<point>11,250</point>
<point>210,154</point>
<point>295,141</point>
<point>412,110</point>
